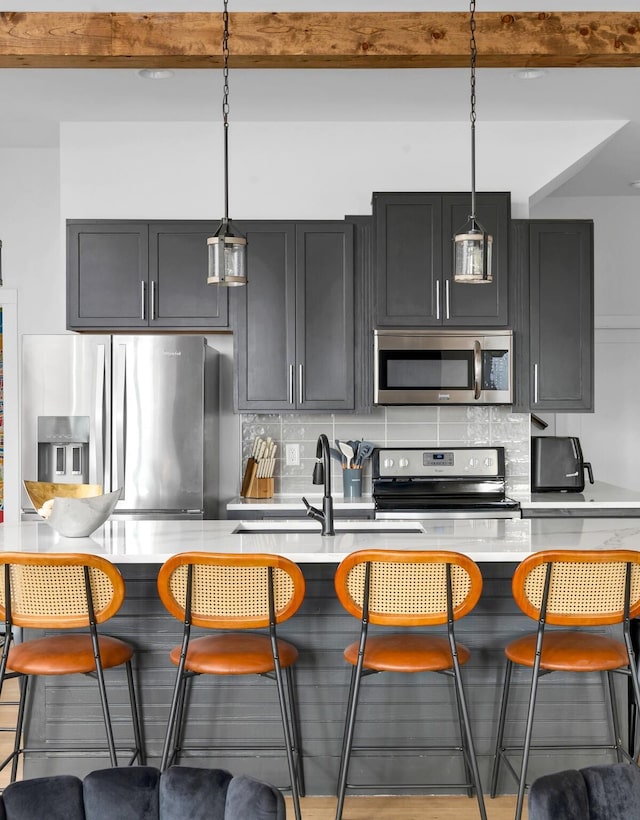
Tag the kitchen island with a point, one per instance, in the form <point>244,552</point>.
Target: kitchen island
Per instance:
<point>399,709</point>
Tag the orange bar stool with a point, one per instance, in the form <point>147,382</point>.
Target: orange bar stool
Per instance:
<point>401,588</point>
<point>233,592</point>
<point>63,591</point>
<point>571,588</point>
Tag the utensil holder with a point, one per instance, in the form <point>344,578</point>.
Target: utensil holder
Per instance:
<point>352,483</point>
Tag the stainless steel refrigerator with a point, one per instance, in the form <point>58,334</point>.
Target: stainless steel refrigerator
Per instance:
<point>137,412</point>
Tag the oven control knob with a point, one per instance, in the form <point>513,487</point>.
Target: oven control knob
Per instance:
<point>488,462</point>
<point>388,463</point>
<point>474,462</point>
<point>404,462</point>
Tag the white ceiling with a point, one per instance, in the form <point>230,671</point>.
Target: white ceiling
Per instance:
<point>33,101</point>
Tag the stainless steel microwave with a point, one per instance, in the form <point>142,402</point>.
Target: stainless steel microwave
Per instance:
<point>443,367</point>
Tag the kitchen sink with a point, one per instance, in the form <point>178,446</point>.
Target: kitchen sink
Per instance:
<point>302,527</point>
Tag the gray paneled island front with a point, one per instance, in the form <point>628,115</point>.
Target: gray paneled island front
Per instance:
<point>400,709</point>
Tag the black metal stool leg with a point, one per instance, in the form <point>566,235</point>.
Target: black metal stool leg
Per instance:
<point>473,760</point>
<point>615,723</point>
<point>135,717</point>
<point>497,758</point>
<point>24,689</point>
<point>172,724</point>
<point>295,729</point>
<point>293,774</point>
<point>527,737</point>
<point>348,738</point>
<point>463,743</point>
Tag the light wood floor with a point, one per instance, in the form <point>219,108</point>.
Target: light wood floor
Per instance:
<point>324,808</point>
<point>405,808</point>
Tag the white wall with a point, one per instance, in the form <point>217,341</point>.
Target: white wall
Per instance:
<point>303,170</point>
<point>610,436</point>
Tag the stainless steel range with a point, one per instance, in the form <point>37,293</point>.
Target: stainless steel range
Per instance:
<point>446,482</point>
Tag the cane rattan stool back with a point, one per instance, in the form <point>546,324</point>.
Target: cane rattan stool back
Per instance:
<point>48,591</point>
<point>572,589</point>
<point>63,591</point>
<point>408,588</point>
<point>403,588</point>
<point>585,588</point>
<point>233,593</point>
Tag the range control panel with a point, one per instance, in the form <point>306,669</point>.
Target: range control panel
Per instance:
<point>446,462</point>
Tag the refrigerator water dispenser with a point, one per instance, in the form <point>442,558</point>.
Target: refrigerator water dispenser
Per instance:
<point>63,449</point>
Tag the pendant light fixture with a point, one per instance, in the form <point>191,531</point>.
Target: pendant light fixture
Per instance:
<point>472,244</point>
<point>227,249</point>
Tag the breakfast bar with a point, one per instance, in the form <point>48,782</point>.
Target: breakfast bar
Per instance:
<point>403,711</point>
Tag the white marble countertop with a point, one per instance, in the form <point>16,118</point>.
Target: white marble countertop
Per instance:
<point>293,501</point>
<point>599,494</point>
<point>485,540</point>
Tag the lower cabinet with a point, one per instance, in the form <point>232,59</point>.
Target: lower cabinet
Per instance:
<point>294,322</point>
<point>552,263</point>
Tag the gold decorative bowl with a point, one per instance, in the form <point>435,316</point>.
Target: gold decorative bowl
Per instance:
<point>73,510</point>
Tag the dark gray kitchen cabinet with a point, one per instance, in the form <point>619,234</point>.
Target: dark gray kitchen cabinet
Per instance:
<point>414,260</point>
<point>294,343</point>
<point>124,275</point>
<point>553,314</point>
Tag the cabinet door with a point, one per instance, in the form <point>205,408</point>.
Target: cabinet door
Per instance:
<point>265,320</point>
<point>408,259</point>
<point>561,292</point>
<point>486,304</point>
<point>179,295</point>
<point>324,316</point>
<point>107,264</point>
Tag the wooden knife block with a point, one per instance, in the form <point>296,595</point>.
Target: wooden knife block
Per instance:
<point>254,487</point>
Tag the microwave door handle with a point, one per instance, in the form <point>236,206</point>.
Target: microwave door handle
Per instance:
<point>477,369</point>
<point>437,299</point>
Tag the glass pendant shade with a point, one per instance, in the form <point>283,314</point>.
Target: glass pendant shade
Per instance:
<point>472,257</point>
<point>227,258</point>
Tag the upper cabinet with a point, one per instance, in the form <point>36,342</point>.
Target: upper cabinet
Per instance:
<point>553,306</point>
<point>414,260</point>
<point>294,341</point>
<point>125,275</point>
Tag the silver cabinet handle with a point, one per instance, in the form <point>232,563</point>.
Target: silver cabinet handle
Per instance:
<point>291,399</point>
<point>143,300</point>
<point>153,300</point>
<point>447,306</point>
<point>437,298</point>
<point>535,383</point>
<point>301,383</point>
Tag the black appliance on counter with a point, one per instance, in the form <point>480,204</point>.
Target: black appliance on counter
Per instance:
<point>442,482</point>
<point>557,464</point>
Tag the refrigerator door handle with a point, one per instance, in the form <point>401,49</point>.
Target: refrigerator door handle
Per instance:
<point>97,434</point>
<point>119,399</point>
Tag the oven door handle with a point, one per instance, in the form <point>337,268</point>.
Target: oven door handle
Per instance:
<point>477,369</point>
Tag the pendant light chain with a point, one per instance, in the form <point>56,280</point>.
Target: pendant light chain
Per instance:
<point>474,52</point>
<point>225,104</point>
<point>227,250</point>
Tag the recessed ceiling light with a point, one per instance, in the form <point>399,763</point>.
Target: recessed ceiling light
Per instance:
<point>155,73</point>
<point>530,73</point>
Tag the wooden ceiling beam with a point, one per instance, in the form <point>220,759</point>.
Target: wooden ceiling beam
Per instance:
<point>318,40</point>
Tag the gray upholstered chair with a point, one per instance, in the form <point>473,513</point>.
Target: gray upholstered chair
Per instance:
<point>607,792</point>
<point>143,793</point>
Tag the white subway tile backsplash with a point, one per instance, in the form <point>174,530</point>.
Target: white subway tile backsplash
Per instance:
<point>392,427</point>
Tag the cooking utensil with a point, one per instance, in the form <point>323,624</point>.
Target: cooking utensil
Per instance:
<point>364,451</point>
<point>347,449</point>
<point>337,455</point>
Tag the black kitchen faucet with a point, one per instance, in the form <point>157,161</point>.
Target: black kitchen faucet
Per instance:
<point>322,475</point>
